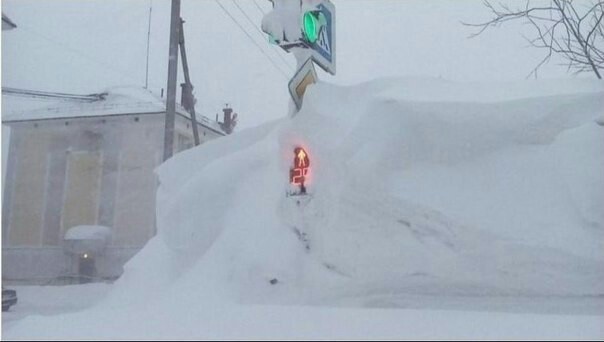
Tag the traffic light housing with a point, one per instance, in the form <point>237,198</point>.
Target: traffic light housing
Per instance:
<point>299,172</point>
<point>312,23</point>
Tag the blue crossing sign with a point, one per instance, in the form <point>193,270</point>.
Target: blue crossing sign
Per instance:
<point>323,46</point>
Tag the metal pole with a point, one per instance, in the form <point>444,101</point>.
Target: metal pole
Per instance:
<point>172,75</point>
<point>148,38</point>
<point>188,85</point>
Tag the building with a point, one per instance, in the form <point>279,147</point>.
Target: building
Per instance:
<point>83,160</point>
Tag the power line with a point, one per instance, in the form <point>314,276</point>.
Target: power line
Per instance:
<point>252,39</point>
<point>79,53</point>
<point>260,8</point>
<point>261,34</point>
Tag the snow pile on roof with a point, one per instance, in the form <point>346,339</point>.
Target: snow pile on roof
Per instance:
<point>490,202</point>
<point>116,101</point>
<point>119,100</point>
<point>13,106</point>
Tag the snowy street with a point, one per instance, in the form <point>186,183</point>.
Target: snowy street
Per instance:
<point>52,300</point>
<point>409,317</point>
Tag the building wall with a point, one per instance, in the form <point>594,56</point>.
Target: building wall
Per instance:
<point>52,265</point>
<point>5,144</point>
<point>184,134</point>
<point>94,171</point>
<point>141,150</point>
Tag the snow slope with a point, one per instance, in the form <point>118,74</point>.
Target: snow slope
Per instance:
<point>425,194</point>
<point>510,209</point>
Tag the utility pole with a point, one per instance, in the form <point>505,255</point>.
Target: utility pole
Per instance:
<point>148,38</point>
<point>172,75</point>
<point>188,100</point>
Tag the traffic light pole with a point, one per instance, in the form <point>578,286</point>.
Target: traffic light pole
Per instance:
<point>172,75</point>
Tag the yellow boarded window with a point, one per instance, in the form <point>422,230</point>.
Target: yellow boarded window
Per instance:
<point>82,188</point>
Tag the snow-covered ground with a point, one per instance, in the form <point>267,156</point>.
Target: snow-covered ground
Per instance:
<point>52,317</point>
<point>436,210</point>
<point>52,300</point>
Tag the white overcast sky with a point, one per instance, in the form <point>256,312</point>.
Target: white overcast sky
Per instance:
<point>88,46</point>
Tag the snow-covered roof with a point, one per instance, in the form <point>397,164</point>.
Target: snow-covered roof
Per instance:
<point>115,101</point>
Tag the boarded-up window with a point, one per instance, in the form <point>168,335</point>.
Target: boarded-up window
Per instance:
<point>28,192</point>
<point>82,187</point>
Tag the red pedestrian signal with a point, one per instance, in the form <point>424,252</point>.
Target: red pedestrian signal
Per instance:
<point>301,160</point>
<point>299,171</point>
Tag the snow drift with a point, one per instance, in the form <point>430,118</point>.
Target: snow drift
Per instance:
<point>497,192</point>
<point>419,188</point>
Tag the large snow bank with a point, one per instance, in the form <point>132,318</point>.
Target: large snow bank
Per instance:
<point>424,194</point>
<point>495,194</point>
<point>498,192</point>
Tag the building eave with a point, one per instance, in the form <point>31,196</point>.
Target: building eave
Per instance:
<point>90,117</point>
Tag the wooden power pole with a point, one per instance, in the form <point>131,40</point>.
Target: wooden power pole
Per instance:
<point>188,100</point>
<point>175,25</point>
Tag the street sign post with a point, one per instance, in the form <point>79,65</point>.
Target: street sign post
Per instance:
<point>304,77</point>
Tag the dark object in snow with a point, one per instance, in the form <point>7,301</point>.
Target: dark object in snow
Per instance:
<point>86,268</point>
<point>9,298</point>
<point>333,268</point>
<point>273,281</point>
<point>302,237</point>
<point>404,222</point>
<point>294,193</point>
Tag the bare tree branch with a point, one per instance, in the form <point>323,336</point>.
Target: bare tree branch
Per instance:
<point>572,32</point>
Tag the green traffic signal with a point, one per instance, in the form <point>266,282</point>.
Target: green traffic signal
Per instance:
<point>312,23</point>
<point>311,26</point>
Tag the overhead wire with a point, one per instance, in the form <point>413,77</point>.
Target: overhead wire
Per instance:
<point>261,33</point>
<point>79,53</point>
<point>251,39</point>
<point>258,6</point>
<point>125,74</point>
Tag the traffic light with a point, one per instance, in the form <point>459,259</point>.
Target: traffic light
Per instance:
<point>312,22</point>
<point>299,172</point>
